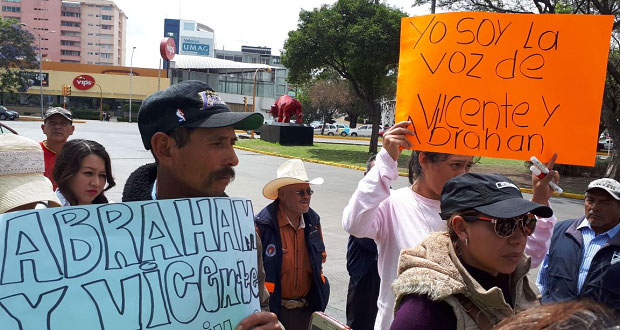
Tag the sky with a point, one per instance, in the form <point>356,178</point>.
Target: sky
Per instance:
<point>235,22</point>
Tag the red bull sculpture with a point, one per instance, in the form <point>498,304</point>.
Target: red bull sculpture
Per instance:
<point>284,109</point>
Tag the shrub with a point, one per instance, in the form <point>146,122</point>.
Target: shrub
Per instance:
<point>86,114</point>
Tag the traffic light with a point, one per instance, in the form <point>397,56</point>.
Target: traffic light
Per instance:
<point>66,90</point>
<point>245,100</point>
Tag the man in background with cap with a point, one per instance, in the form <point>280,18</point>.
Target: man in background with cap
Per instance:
<point>293,247</point>
<point>584,257</point>
<point>191,132</point>
<point>57,127</point>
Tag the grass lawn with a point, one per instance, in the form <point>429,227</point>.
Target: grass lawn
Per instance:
<point>358,155</point>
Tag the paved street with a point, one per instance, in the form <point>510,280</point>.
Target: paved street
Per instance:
<point>122,140</point>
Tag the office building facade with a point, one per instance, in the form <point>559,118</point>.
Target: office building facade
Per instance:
<point>190,37</point>
<point>83,31</point>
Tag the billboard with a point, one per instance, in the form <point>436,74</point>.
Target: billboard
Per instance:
<point>36,79</point>
<point>196,46</point>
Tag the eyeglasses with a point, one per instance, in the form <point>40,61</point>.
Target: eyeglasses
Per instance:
<point>302,192</point>
<point>505,227</point>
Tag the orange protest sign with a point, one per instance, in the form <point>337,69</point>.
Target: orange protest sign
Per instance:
<point>504,85</point>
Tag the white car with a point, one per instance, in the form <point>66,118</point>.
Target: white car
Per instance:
<point>329,129</point>
<point>364,130</point>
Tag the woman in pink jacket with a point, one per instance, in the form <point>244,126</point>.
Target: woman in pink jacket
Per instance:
<point>402,218</point>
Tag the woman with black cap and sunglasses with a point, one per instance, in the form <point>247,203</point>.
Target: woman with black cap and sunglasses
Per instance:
<point>475,274</point>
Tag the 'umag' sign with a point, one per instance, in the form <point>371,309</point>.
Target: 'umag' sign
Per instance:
<point>504,85</point>
<point>173,264</point>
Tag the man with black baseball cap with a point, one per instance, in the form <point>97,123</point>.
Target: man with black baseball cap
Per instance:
<point>191,132</point>
<point>583,261</point>
<point>57,127</point>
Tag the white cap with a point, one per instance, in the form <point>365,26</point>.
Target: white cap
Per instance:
<point>610,185</point>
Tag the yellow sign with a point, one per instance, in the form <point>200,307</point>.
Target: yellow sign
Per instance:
<point>504,85</point>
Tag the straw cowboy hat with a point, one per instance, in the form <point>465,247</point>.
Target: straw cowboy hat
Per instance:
<point>291,172</point>
<point>21,174</point>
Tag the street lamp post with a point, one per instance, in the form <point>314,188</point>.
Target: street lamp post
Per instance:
<point>254,88</point>
<point>254,93</point>
<point>39,36</point>
<point>130,80</point>
<point>100,101</point>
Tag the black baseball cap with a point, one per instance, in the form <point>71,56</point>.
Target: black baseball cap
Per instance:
<point>58,111</point>
<point>191,103</point>
<point>492,194</point>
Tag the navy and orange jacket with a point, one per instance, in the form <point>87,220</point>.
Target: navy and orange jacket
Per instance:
<point>266,222</point>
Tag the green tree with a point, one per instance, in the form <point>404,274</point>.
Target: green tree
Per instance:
<point>359,39</point>
<point>16,54</point>
<point>610,112</point>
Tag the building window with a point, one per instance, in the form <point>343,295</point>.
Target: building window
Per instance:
<point>67,23</point>
<point>70,43</point>
<point>15,18</point>
<point>105,46</point>
<point>70,14</point>
<point>71,4</point>
<point>106,17</point>
<point>106,7</point>
<point>69,61</point>
<point>70,33</point>
<point>106,27</point>
<point>69,52</point>
<point>11,9</point>
<point>106,55</point>
<point>12,0</point>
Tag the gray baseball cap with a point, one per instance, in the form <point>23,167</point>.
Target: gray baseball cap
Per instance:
<point>609,185</point>
<point>58,111</point>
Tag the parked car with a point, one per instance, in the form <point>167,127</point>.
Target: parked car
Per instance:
<point>364,130</point>
<point>315,123</point>
<point>329,129</point>
<point>8,114</point>
<point>343,129</point>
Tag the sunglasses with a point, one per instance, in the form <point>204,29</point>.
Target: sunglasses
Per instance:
<point>505,227</point>
<point>302,192</point>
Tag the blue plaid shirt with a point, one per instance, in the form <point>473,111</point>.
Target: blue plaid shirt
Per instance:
<point>591,244</point>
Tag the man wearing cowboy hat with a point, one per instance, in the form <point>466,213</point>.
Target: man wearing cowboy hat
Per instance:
<point>293,247</point>
<point>191,132</point>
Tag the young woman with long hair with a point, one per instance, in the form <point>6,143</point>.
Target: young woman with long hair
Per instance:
<point>82,170</point>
